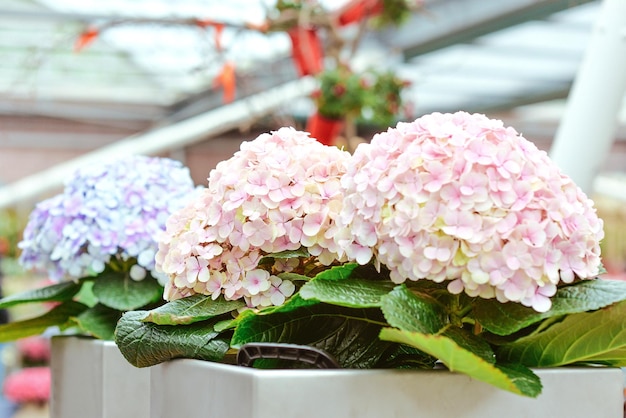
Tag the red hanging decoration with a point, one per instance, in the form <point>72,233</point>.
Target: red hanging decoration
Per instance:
<point>85,39</point>
<point>324,129</point>
<point>306,50</point>
<point>219,28</point>
<point>357,10</point>
<point>227,80</point>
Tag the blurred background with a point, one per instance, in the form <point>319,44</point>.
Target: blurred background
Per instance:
<point>82,80</point>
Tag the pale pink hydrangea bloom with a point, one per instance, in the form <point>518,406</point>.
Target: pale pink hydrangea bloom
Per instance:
<point>279,192</point>
<point>463,199</point>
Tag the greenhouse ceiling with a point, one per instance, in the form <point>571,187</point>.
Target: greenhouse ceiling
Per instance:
<point>150,60</point>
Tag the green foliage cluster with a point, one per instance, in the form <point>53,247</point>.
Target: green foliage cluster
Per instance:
<point>91,305</point>
<point>354,313</point>
<point>365,321</point>
<point>372,96</point>
<point>11,226</point>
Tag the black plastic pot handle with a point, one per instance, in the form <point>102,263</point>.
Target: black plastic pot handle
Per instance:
<point>248,353</point>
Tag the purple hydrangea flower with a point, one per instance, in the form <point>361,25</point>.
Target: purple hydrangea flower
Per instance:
<point>107,211</point>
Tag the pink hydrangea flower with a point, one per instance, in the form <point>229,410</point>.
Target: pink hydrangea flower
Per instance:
<point>461,198</point>
<point>279,192</point>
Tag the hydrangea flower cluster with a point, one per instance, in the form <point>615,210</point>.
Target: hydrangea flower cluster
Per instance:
<point>107,212</point>
<point>461,198</point>
<point>279,192</point>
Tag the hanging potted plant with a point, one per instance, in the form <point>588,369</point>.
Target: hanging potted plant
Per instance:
<point>341,94</point>
<point>344,97</point>
<point>384,102</point>
<point>450,242</point>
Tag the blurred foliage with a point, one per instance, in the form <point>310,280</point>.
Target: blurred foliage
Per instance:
<point>371,96</point>
<point>12,224</point>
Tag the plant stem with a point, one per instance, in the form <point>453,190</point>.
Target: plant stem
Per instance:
<point>456,318</point>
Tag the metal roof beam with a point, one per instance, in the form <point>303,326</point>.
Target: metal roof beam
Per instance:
<point>524,100</point>
<point>449,22</point>
<point>165,139</point>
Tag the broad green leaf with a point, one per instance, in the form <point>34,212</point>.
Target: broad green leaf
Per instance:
<point>412,311</point>
<point>225,324</point>
<point>99,321</point>
<point>352,293</point>
<point>293,303</point>
<point>294,277</point>
<point>579,338</point>
<point>517,380</point>
<point>119,291</point>
<point>508,318</point>
<point>55,293</point>
<point>613,358</point>
<point>354,271</point>
<point>57,316</point>
<point>300,252</point>
<point>400,356</point>
<point>350,335</point>
<point>523,378</point>
<point>338,272</point>
<point>85,294</point>
<point>191,309</point>
<point>145,344</point>
<point>470,342</point>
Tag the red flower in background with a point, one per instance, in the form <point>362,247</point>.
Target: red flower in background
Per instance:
<point>30,385</point>
<point>34,349</point>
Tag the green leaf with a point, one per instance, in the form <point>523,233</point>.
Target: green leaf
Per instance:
<point>517,380</point>
<point>225,324</point>
<point>338,272</point>
<point>293,277</point>
<point>54,293</point>
<point>523,378</point>
<point>400,356</point>
<point>352,293</point>
<point>350,335</point>
<point>99,321</point>
<point>191,309</point>
<point>145,344</point>
<point>586,337</point>
<point>57,316</point>
<point>613,358</point>
<point>413,311</point>
<point>85,294</point>
<point>470,342</point>
<point>300,252</point>
<point>119,291</point>
<point>293,303</point>
<point>348,285</point>
<point>587,295</point>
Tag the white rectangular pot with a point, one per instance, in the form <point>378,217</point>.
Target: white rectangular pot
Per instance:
<point>203,390</point>
<point>199,389</point>
<point>91,379</point>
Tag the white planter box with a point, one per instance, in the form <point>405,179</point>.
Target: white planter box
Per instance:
<point>91,379</point>
<point>198,389</point>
